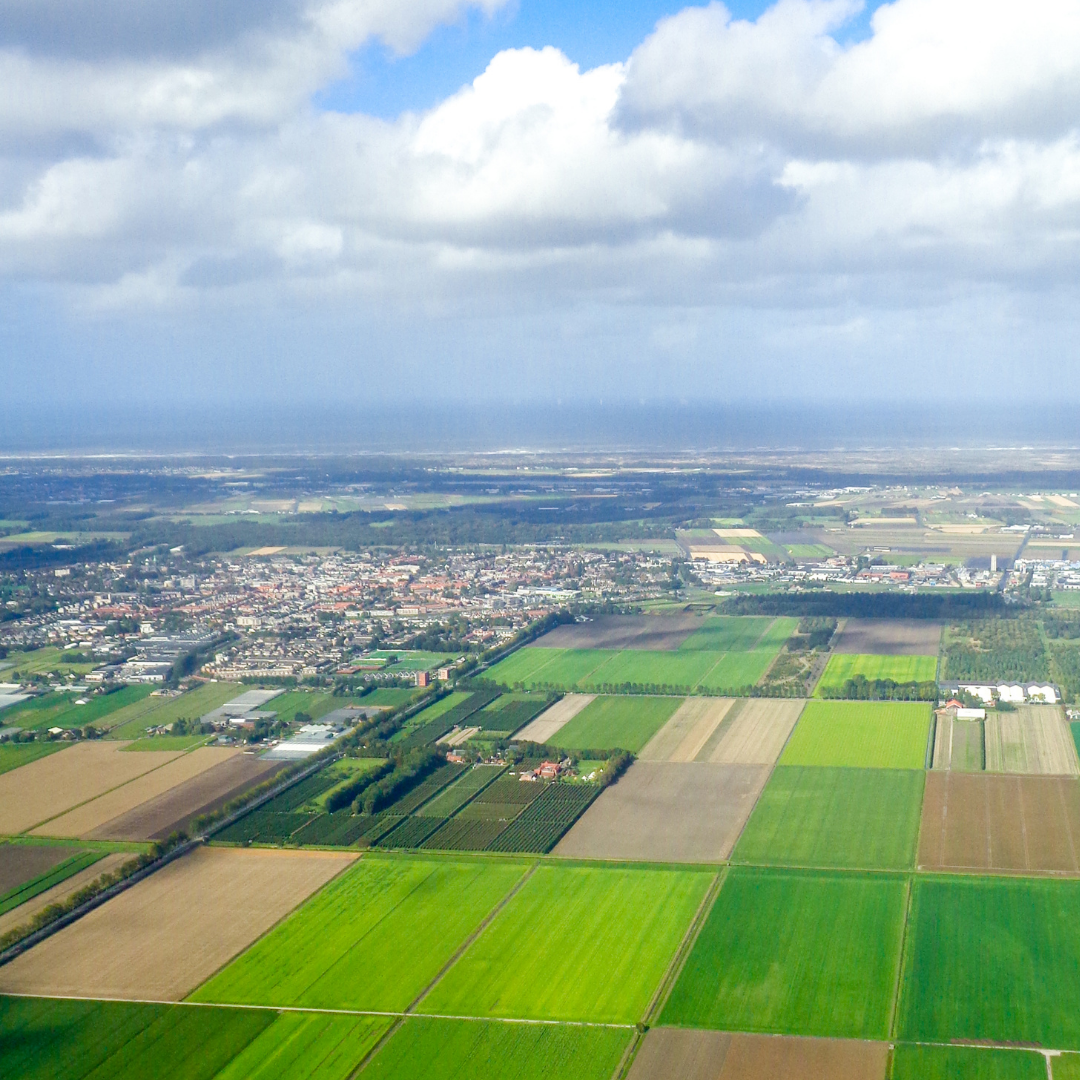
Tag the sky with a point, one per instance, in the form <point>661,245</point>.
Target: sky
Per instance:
<point>288,203</point>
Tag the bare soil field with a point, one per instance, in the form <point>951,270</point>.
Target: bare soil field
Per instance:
<point>59,893</point>
<point>156,818</point>
<point>86,819</point>
<point>668,812</point>
<point>20,863</point>
<point>1033,739</point>
<point>172,931</point>
<point>660,632</point>
<point>958,744</point>
<point>758,733</point>
<point>689,729</point>
<point>977,821</point>
<point>716,1055</point>
<point>49,786</point>
<point>889,637</point>
<point>553,720</point>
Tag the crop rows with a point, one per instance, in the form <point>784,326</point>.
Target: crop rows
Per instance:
<point>543,822</point>
<point>410,833</point>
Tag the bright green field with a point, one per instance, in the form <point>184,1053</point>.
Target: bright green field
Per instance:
<point>391,696</point>
<point>307,1046</point>
<point>522,666</point>
<point>132,721</point>
<point>575,943</point>
<point>60,710</point>
<point>797,953</point>
<point>1067,1066</point>
<point>648,668</point>
<point>168,742</point>
<point>12,755</point>
<point>993,958</point>
<point>900,669</point>
<point>372,939</point>
<point>861,735</point>
<point>625,722</point>
<point>727,633</point>
<point>468,1050</point>
<point>967,1063</point>
<point>853,818</point>
<point>315,704</point>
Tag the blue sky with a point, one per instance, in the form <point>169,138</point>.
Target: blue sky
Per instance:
<point>589,33</point>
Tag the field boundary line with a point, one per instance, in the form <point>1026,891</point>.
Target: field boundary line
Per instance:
<point>484,924</point>
<point>902,963</point>
<point>678,961</point>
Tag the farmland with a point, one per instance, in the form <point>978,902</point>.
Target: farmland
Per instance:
<point>889,637</point>
<point>467,1050</point>
<point>407,919</point>
<point>1030,739</point>
<point>860,735</point>
<point>827,967</point>
<point>988,959</point>
<point>968,1063</point>
<point>14,755</point>
<point>688,731</point>
<point>828,817</point>
<point>133,720</point>
<point>574,943</point>
<point>624,722</point>
<point>900,669</point>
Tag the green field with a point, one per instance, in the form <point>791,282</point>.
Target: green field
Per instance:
<point>12,755</point>
<point>168,742</point>
<point>1067,1066</point>
<point>646,668</point>
<point>468,1050</point>
<point>405,919</point>
<point>992,958</point>
<point>795,952</point>
<point>860,735</point>
<point>809,551</point>
<point>45,660</point>
<point>967,1063</point>
<point>901,669</point>
<point>434,711</point>
<point>625,722</point>
<point>389,696</point>
<point>826,817</point>
<point>727,633</point>
<point>575,943</point>
<point>79,860</point>
<point>315,704</point>
<point>523,665</point>
<point>60,710</point>
<point>132,721</point>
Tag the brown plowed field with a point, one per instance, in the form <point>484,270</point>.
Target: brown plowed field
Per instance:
<point>889,637</point>
<point>20,863</point>
<point>675,1054</point>
<point>553,720</point>
<point>59,893</point>
<point>977,821</point>
<point>758,733</point>
<point>158,817</point>
<point>661,632</point>
<point>163,937</point>
<point>668,812</point>
<point>1034,739</point>
<point>49,786</point>
<point>85,819</point>
<point>689,729</point>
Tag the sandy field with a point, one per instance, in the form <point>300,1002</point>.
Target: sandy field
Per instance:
<point>85,819</point>
<point>691,726</point>
<point>20,863</point>
<point>668,812</point>
<point>49,786</point>
<point>1033,739</point>
<point>889,637</point>
<point>58,893</point>
<point>716,1055</point>
<point>158,817</point>
<point>958,744</point>
<point>758,733</point>
<point>977,821</point>
<point>660,632</point>
<point>172,931</point>
<point>553,720</point>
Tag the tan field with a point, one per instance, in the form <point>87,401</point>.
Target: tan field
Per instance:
<point>47,787</point>
<point>554,719</point>
<point>716,1055</point>
<point>688,731</point>
<point>758,733</point>
<point>59,893</point>
<point>1034,739</point>
<point>92,815</point>
<point>163,937</point>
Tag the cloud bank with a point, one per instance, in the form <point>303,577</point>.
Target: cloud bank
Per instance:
<point>743,208</point>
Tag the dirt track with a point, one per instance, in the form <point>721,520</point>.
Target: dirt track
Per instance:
<point>668,812</point>
<point>979,821</point>
<point>47,787</point>
<point>166,935</point>
<point>889,637</point>
<point>661,632</point>
<point>715,1055</point>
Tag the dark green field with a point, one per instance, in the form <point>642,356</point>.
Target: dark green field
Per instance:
<point>858,818</point>
<point>993,958</point>
<point>795,953</point>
